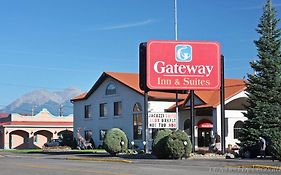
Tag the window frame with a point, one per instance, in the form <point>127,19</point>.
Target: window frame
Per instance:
<point>236,128</point>
<point>103,110</point>
<point>117,108</point>
<point>137,122</point>
<point>86,134</point>
<point>87,111</point>
<point>102,135</point>
<point>110,89</point>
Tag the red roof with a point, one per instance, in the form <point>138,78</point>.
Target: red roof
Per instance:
<point>130,80</point>
<point>211,98</point>
<point>37,123</point>
<point>3,115</point>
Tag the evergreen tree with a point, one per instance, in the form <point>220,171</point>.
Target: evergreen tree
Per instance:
<point>263,88</point>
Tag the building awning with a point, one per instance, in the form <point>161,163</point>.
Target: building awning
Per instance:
<point>205,124</point>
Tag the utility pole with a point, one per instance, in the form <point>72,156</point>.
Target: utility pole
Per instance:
<point>33,110</point>
<point>61,109</point>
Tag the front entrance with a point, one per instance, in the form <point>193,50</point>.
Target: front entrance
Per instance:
<point>204,137</point>
<point>205,127</point>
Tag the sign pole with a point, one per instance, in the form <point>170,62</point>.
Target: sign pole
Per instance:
<point>176,20</point>
<point>176,38</point>
<point>222,107</point>
<point>192,133</point>
<point>146,122</point>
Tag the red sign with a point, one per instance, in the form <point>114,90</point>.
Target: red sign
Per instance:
<point>182,65</point>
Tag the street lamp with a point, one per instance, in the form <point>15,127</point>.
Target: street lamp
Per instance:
<point>133,144</point>
<point>144,143</point>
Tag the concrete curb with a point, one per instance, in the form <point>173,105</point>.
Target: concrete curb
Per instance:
<point>268,167</point>
<point>99,159</point>
<point>206,157</point>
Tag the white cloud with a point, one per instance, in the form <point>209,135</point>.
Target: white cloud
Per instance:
<point>127,25</point>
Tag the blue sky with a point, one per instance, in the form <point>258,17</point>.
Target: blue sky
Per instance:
<point>55,44</point>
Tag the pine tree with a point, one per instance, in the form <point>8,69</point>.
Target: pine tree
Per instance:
<point>264,86</point>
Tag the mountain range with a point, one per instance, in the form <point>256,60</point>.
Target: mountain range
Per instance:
<point>33,102</point>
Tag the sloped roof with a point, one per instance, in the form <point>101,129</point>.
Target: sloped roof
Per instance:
<point>211,98</point>
<point>3,115</point>
<point>130,80</point>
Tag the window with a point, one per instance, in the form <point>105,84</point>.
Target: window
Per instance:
<point>87,111</point>
<point>117,108</point>
<point>102,134</point>
<point>88,135</point>
<point>110,89</point>
<point>103,110</point>
<point>137,121</point>
<point>237,127</point>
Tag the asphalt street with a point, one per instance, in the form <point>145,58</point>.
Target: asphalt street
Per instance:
<point>62,164</point>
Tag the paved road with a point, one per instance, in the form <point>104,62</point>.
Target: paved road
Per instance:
<point>38,164</point>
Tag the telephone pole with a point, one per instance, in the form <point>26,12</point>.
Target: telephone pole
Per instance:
<point>61,109</point>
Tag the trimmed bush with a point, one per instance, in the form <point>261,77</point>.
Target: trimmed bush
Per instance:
<point>178,145</point>
<point>115,141</point>
<point>171,144</point>
<point>158,147</point>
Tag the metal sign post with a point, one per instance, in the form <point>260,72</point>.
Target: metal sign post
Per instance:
<point>192,132</point>
<point>146,134</point>
<point>222,107</point>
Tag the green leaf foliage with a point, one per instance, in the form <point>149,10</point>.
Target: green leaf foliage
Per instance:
<point>171,144</point>
<point>178,145</point>
<point>264,86</point>
<point>275,144</point>
<point>115,141</point>
<point>158,147</point>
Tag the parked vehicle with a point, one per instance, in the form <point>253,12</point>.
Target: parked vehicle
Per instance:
<point>53,142</point>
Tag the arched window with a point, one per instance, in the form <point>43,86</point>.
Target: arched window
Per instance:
<point>137,108</point>
<point>236,129</point>
<point>187,126</point>
<point>137,121</point>
<point>110,89</point>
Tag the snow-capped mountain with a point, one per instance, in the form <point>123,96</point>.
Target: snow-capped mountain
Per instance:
<point>35,101</point>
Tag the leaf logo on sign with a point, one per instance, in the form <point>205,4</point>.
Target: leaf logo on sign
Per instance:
<point>183,53</point>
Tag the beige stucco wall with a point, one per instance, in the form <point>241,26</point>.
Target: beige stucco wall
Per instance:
<point>44,115</point>
<point>17,136</point>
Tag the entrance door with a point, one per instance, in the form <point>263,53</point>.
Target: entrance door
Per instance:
<point>204,137</point>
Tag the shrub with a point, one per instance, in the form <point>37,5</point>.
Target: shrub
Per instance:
<point>178,145</point>
<point>158,147</point>
<point>171,144</point>
<point>67,138</point>
<point>115,141</point>
<point>73,144</point>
